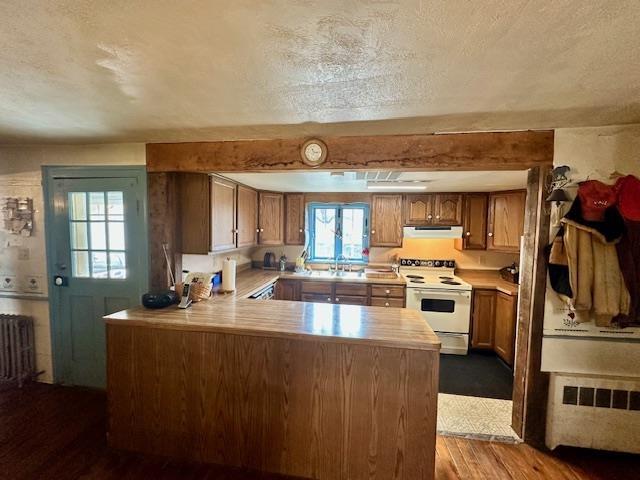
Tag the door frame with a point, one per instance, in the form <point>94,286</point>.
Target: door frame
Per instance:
<point>49,175</point>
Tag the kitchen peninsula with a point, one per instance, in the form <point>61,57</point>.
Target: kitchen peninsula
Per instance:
<point>306,389</point>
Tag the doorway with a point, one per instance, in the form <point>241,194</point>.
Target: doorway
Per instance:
<point>97,260</point>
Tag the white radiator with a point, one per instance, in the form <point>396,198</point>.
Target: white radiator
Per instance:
<point>594,412</point>
<point>17,356</point>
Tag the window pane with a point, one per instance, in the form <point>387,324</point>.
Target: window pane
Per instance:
<point>115,206</point>
<point>116,236</point>
<point>99,264</point>
<point>324,240</point>
<point>79,236</point>
<point>96,205</point>
<point>78,205</point>
<point>352,233</point>
<point>117,265</point>
<point>98,236</point>
<point>80,264</point>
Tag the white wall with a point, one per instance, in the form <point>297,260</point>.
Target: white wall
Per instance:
<point>21,175</point>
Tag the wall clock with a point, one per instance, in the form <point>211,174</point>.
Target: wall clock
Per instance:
<point>314,152</point>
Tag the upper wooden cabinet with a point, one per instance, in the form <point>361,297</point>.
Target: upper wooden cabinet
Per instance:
<point>474,221</point>
<point>447,209</point>
<point>505,326</point>
<point>194,197</point>
<point>294,229</point>
<point>433,209</point>
<point>506,220</point>
<point>247,217</point>
<point>386,220</point>
<point>223,214</point>
<point>271,218</point>
<point>418,209</point>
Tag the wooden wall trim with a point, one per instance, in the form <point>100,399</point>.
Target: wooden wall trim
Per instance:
<point>460,151</point>
<point>531,386</point>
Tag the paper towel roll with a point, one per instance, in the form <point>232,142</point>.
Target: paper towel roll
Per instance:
<point>228,275</point>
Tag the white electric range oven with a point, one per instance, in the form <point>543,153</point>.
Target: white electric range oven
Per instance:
<point>443,299</point>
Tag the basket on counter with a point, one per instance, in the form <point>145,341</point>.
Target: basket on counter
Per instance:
<point>198,291</point>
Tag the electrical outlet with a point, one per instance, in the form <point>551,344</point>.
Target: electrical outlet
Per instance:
<point>32,284</point>
<point>8,283</point>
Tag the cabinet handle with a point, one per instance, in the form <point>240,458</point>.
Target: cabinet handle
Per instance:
<point>386,304</point>
<point>261,230</point>
<point>490,234</point>
<point>373,232</point>
<point>468,234</point>
<point>257,230</point>
<point>437,217</point>
<point>329,299</point>
<point>387,292</point>
<point>429,216</point>
<point>300,230</point>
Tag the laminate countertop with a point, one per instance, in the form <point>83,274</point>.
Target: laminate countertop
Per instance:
<point>488,279</point>
<point>234,313</point>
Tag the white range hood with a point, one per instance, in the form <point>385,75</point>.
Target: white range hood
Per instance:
<point>432,232</point>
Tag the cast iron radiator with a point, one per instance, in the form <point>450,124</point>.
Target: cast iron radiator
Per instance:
<point>17,355</point>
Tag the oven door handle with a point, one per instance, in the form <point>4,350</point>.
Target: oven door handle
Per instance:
<point>461,293</point>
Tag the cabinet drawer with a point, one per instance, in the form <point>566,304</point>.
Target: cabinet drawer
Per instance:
<point>387,291</point>
<point>359,289</point>
<point>387,302</point>
<point>316,298</point>
<point>351,300</point>
<point>317,287</point>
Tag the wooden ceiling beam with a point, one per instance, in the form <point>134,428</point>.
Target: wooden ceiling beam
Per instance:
<point>455,151</point>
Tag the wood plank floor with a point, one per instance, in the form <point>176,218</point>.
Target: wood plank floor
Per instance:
<point>50,432</point>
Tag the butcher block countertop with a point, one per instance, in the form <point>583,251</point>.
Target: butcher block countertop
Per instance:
<point>488,279</point>
<point>234,313</point>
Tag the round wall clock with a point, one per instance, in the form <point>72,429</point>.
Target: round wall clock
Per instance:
<point>314,152</point>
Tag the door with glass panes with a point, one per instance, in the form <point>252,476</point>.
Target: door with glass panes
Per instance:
<point>98,249</point>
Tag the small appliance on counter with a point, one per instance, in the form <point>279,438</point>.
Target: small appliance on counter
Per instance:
<point>269,262</point>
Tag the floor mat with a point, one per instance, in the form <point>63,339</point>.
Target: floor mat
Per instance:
<point>475,418</point>
<point>475,375</point>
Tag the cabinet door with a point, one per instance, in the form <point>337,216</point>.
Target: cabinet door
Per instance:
<point>386,220</point>
<point>294,231</point>
<point>223,214</point>
<point>316,298</point>
<point>448,209</point>
<point>351,300</point>
<point>247,216</point>
<point>271,218</point>
<point>484,308</point>
<point>474,219</point>
<point>418,209</point>
<point>505,326</point>
<point>194,197</point>
<point>288,290</point>
<point>506,221</point>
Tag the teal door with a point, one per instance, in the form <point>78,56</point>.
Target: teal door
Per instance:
<point>97,264</point>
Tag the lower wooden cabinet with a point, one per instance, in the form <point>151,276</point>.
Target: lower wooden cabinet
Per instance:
<point>483,319</point>
<point>288,290</point>
<point>493,323</point>
<point>341,293</point>
<point>505,326</point>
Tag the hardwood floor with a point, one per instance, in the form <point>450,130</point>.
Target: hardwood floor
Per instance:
<point>51,432</point>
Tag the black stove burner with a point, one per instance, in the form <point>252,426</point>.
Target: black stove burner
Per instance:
<point>450,282</point>
<point>446,278</point>
<point>418,277</point>
<point>417,281</point>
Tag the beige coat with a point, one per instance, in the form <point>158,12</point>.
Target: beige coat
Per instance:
<point>594,274</point>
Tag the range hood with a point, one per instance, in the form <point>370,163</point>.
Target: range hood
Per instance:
<point>432,232</point>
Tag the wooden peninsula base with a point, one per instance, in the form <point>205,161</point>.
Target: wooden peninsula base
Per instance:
<point>301,404</point>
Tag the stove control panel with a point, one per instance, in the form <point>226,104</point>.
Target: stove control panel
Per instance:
<point>413,262</point>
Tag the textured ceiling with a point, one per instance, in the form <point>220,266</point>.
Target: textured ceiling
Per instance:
<point>152,70</point>
<point>477,181</point>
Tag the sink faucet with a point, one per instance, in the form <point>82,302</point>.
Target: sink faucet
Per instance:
<point>337,264</point>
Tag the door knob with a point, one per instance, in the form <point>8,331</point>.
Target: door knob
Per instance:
<point>60,281</point>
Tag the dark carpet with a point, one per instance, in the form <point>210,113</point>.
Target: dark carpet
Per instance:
<point>477,374</point>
